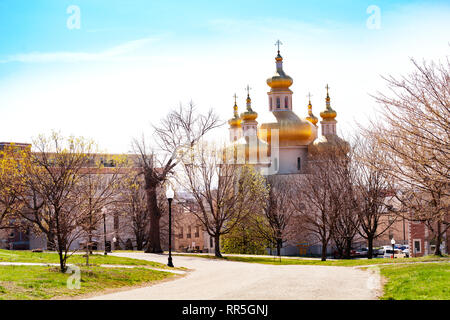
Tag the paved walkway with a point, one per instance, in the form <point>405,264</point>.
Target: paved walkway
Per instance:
<point>227,280</point>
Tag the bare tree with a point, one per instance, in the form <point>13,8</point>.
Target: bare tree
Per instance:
<point>414,134</point>
<point>180,129</point>
<point>225,193</point>
<point>132,203</point>
<point>322,193</point>
<point>49,179</point>
<point>373,192</point>
<point>277,213</point>
<point>97,188</point>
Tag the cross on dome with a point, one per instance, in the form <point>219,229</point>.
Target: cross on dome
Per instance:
<point>278,43</point>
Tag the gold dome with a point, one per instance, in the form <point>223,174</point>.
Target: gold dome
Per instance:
<point>280,79</point>
<point>249,115</point>
<point>311,117</point>
<point>292,130</point>
<point>328,113</point>
<point>235,121</point>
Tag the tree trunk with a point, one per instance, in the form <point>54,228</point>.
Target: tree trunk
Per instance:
<point>438,252</point>
<point>217,246</point>
<point>324,251</point>
<point>279,245</point>
<point>348,248</point>
<point>87,253</point>
<point>369,246</point>
<point>154,245</point>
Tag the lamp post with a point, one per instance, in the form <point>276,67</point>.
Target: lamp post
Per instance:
<point>170,194</point>
<point>104,227</point>
<point>393,248</point>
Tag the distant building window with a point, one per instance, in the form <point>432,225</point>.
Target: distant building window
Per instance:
<point>286,102</point>
<point>270,103</point>
<point>417,248</point>
<point>211,242</point>
<point>299,163</point>
<point>197,232</point>
<point>180,235</point>
<point>278,103</point>
<point>188,235</point>
<point>275,164</point>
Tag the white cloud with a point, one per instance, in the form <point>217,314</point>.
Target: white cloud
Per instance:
<point>105,55</point>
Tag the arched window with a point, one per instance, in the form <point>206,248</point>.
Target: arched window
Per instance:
<point>278,103</point>
<point>286,102</point>
<point>299,163</point>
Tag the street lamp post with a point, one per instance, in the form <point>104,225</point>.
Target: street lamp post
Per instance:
<point>170,194</point>
<point>104,227</point>
<point>393,248</point>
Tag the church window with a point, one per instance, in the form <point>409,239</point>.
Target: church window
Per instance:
<point>299,163</point>
<point>286,103</point>
<point>278,103</point>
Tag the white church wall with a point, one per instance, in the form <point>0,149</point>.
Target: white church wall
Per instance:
<point>288,159</point>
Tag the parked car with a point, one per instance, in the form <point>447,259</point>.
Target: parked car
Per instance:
<point>406,250</point>
<point>397,253</point>
<point>362,252</point>
<point>378,251</point>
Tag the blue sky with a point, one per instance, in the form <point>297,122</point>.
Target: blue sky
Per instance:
<point>131,61</point>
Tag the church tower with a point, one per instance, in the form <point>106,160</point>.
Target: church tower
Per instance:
<point>280,96</point>
<point>328,122</point>
<point>311,117</point>
<point>290,135</point>
<point>249,123</point>
<point>235,128</point>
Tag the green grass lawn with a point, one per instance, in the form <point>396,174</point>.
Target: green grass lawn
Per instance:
<point>300,261</point>
<point>51,257</point>
<point>422,281</point>
<point>38,282</point>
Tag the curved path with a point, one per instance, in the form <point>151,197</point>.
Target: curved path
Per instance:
<point>230,280</point>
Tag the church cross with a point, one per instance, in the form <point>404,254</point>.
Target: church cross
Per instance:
<point>327,87</point>
<point>235,97</point>
<point>278,43</point>
<point>248,90</point>
<point>309,95</point>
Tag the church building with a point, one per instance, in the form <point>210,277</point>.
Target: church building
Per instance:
<point>280,147</point>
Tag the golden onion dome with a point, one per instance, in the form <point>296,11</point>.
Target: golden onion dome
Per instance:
<point>235,121</point>
<point>328,113</point>
<point>311,117</point>
<point>249,115</point>
<point>280,79</point>
<point>292,130</point>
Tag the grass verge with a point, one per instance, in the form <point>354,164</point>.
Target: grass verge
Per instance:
<point>417,281</point>
<point>342,263</point>
<point>38,282</point>
<point>78,259</point>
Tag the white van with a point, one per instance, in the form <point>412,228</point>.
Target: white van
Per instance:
<point>388,252</point>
